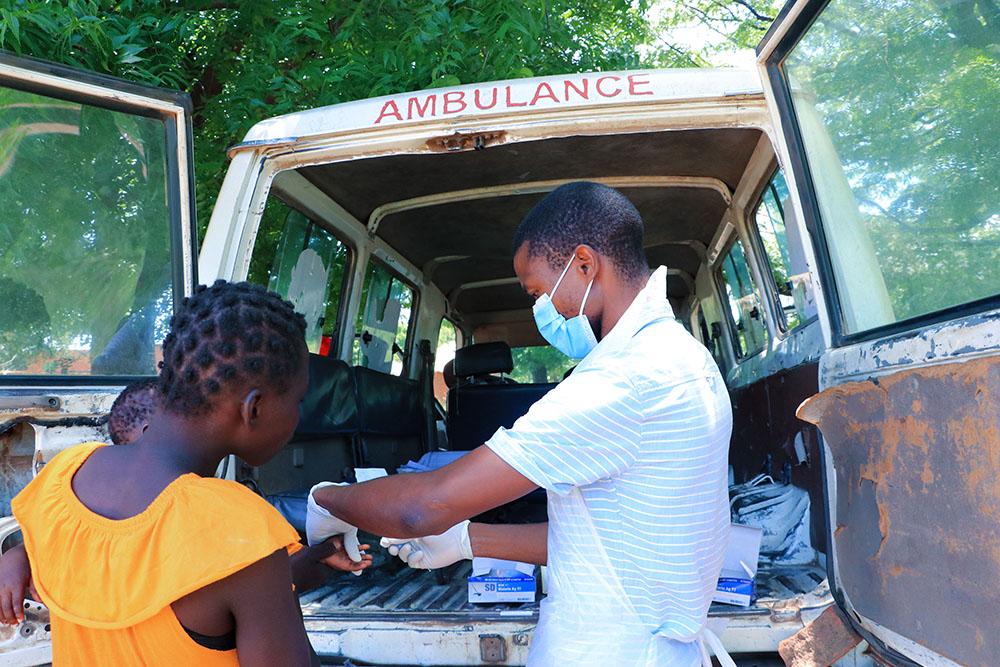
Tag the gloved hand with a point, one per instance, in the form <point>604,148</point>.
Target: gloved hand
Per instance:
<point>433,551</point>
<point>320,525</point>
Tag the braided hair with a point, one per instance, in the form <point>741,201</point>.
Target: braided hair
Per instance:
<point>225,335</point>
<point>132,408</point>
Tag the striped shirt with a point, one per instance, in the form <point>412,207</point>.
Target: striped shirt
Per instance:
<point>642,428</point>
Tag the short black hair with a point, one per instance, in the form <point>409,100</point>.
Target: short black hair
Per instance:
<point>133,407</point>
<point>590,214</point>
<point>226,334</point>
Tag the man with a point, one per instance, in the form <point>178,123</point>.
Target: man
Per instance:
<point>631,448</point>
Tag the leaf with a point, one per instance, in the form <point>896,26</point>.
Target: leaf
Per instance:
<point>15,26</point>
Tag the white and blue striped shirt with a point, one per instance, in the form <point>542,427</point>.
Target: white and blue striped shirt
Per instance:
<point>642,428</point>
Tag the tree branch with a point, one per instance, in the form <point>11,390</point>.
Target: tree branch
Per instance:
<point>757,15</point>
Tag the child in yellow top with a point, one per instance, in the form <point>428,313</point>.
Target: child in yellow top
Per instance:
<point>141,555</point>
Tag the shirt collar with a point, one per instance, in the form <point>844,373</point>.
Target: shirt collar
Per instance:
<point>649,305</point>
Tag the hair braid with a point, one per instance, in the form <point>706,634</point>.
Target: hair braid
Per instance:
<point>226,334</point>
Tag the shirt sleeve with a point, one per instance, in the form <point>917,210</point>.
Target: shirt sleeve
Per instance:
<point>587,428</point>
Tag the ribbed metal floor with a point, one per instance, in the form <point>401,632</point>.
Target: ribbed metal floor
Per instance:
<point>392,588</point>
<point>401,590</point>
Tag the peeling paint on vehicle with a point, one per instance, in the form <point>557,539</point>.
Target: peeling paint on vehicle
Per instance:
<point>971,337</point>
<point>917,455</point>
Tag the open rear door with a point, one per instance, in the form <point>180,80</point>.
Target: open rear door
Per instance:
<point>97,226</point>
<point>97,246</point>
<point>886,115</point>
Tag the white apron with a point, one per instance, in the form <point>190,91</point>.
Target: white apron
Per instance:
<point>587,618</point>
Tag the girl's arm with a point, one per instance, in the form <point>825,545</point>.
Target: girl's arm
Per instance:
<point>260,601</point>
<point>15,579</point>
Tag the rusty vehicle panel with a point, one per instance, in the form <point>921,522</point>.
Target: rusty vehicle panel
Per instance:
<point>917,538</point>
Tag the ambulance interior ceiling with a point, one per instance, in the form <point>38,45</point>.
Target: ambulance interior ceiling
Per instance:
<point>480,230</point>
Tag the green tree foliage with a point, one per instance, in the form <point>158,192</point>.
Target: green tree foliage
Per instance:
<point>246,61</point>
<point>908,92</point>
<point>241,61</point>
<point>81,198</point>
<point>539,364</point>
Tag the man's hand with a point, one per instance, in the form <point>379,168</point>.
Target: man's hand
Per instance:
<point>434,551</point>
<point>15,579</point>
<point>320,525</point>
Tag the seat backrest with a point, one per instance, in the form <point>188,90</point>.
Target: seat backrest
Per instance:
<point>390,418</point>
<point>475,412</point>
<point>330,406</point>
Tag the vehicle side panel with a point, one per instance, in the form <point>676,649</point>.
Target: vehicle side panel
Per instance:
<point>917,455</point>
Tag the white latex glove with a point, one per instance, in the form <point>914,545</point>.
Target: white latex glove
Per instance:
<point>320,525</point>
<point>433,551</point>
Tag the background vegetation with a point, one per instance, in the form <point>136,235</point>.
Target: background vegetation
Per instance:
<point>243,61</point>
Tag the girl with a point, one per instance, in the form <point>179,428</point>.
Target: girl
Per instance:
<point>140,554</point>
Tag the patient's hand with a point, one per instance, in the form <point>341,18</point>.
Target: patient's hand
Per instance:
<point>15,579</point>
<point>339,557</point>
<point>311,566</point>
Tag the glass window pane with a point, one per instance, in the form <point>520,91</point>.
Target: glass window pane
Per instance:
<point>303,262</point>
<point>744,302</point>
<point>448,340</point>
<point>85,268</point>
<point>896,102</point>
<point>785,255</point>
<point>539,364</point>
<point>382,341</point>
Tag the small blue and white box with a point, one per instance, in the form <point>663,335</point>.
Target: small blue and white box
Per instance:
<point>495,580</point>
<point>740,566</point>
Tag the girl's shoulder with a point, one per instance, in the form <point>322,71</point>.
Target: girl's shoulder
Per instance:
<point>108,573</point>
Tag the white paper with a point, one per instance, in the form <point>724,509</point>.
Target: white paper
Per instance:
<point>743,552</point>
<point>368,474</point>
<point>481,566</point>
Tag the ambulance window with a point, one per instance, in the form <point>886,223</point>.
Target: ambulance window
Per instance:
<point>792,286</point>
<point>449,338</point>
<point>303,262</point>
<point>383,332</point>
<point>539,364</point>
<point>745,314</point>
<point>86,272</point>
<point>895,105</point>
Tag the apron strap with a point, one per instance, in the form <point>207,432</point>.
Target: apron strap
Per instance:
<point>710,640</point>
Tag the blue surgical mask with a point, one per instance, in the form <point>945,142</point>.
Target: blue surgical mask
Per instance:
<point>574,337</point>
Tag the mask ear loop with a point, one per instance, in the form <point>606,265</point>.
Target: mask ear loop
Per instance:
<point>561,276</point>
<point>585,296</point>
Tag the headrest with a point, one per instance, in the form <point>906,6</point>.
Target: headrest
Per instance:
<point>482,359</point>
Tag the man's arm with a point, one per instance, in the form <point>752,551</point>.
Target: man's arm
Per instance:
<point>527,543</point>
<point>418,504</point>
<point>464,540</point>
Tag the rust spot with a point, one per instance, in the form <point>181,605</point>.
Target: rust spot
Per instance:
<point>884,524</point>
<point>823,642</point>
<point>927,476</point>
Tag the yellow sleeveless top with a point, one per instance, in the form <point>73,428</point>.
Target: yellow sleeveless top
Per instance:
<point>109,583</point>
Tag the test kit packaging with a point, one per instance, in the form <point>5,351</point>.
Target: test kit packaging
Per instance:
<point>495,580</point>
<point>740,566</point>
